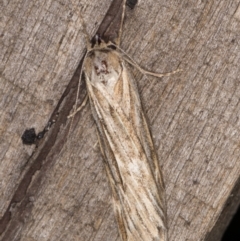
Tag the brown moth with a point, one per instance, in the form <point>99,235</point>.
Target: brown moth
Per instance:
<point>130,159</point>
<point>126,144</point>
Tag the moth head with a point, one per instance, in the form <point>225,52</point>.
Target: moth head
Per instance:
<point>98,42</point>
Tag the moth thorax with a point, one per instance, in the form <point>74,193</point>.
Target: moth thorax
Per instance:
<point>103,68</point>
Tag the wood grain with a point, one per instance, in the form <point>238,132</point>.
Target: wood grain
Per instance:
<point>59,191</point>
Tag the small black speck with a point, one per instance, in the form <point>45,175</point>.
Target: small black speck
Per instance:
<point>188,223</point>
<point>195,182</point>
<point>29,136</point>
<point>131,3</point>
<point>61,40</point>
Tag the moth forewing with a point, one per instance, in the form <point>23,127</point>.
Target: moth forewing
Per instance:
<point>130,159</point>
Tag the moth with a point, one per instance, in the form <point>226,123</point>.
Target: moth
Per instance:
<point>131,163</point>
<point>130,159</point>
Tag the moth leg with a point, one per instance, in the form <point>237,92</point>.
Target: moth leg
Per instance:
<point>159,75</point>
<point>80,107</point>
<point>145,72</point>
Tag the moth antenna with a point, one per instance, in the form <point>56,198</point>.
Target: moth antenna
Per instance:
<point>121,25</point>
<point>75,109</point>
<point>87,39</point>
<point>86,35</point>
<point>143,71</point>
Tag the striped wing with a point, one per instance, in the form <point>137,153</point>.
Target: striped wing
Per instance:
<point>126,143</point>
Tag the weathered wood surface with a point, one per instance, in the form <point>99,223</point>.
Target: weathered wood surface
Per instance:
<point>60,190</point>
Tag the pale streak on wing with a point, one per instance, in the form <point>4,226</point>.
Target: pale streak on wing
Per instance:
<point>126,143</point>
